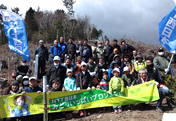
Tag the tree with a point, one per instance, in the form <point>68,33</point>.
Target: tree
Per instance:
<point>16,10</point>
<point>30,23</point>
<point>94,34</point>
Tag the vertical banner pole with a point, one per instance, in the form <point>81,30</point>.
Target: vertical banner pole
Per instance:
<point>36,66</point>
<point>170,61</point>
<point>45,116</point>
<point>8,69</point>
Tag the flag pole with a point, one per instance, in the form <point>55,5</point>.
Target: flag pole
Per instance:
<point>170,61</point>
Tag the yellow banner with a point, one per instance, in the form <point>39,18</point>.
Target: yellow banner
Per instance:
<point>32,103</point>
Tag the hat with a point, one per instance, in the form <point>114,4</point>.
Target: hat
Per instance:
<point>95,42</point>
<point>126,55</point>
<point>69,70</point>
<point>83,63</point>
<point>15,83</point>
<point>25,77</point>
<point>41,41</point>
<point>160,50</point>
<point>56,58</point>
<point>79,57</point>
<point>68,57</point>
<point>32,78</point>
<point>116,69</point>
<point>99,42</point>
<point>117,55</point>
<point>23,60</point>
<point>139,56</point>
<point>126,68</point>
<point>115,49</point>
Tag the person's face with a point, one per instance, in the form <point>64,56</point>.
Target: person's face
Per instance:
<point>116,52</point>
<point>61,39</point>
<point>56,85</point>
<point>68,61</point>
<point>123,44</point>
<point>20,101</point>
<point>94,81</point>
<point>134,52</point>
<point>41,44</point>
<point>14,88</point>
<point>116,74</point>
<point>56,43</point>
<point>140,59</point>
<point>101,61</point>
<point>126,59</point>
<point>56,61</point>
<point>71,52</point>
<point>126,72</point>
<point>105,76</point>
<point>70,40</point>
<point>22,63</point>
<point>107,42</point>
<point>117,59</point>
<point>143,74</point>
<point>33,82</point>
<point>91,61</point>
<point>69,74</point>
<point>149,62</point>
<point>114,43</point>
<point>116,65</point>
<point>79,60</point>
<point>85,42</point>
<point>80,42</point>
<point>83,68</point>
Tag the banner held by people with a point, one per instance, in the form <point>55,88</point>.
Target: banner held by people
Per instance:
<point>14,28</point>
<point>76,100</point>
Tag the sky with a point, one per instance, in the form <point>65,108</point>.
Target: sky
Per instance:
<point>135,19</point>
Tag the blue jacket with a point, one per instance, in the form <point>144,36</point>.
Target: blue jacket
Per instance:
<point>55,51</point>
<point>104,83</point>
<point>70,83</point>
<point>62,46</point>
<point>35,89</point>
<point>19,113</point>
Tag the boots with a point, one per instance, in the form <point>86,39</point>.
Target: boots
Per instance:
<point>170,103</point>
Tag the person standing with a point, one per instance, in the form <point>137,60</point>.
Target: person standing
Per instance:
<point>42,52</point>
<point>109,50</point>
<point>63,46</point>
<point>127,49</point>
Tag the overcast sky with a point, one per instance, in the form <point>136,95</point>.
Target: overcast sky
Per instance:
<point>136,19</point>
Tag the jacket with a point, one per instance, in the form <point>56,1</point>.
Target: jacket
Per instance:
<point>62,46</point>
<point>83,80</point>
<point>70,83</point>
<point>99,69</point>
<point>104,83</point>
<point>109,50</point>
<point>42,53</point>
<point>71,66</point>
<point>91,67</point>
<point>128,80</point>
<point>35,89</point>
<point>54,72</point>
<point>69,47</point>
<point>139,65</point>
<point>128,50</point>
<point>86,51</point>
<point>55,51</point>
<point>160,62</point>
<point>118,47</point>
<point>21,70</point>
<point>115,84</point>
<point>100,52</point>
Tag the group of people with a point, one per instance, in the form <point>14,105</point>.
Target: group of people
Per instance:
<point>75,67</point>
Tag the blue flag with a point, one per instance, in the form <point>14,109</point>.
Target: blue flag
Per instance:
<point>167,31</point>
<point>15,31</point>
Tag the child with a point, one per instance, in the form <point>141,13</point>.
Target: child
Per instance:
<point>116,83</point>
<point>69,85</point>
<point>25,82</point>
<point>105,81</point>
<point>95,83</point>
<point>56,86</point>
<point>77,66</point>
<point>83,80</point>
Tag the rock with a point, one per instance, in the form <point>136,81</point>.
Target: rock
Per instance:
<point>3,83</point>
<point>99,116</point>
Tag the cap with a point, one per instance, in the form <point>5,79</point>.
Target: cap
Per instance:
<point>56,58</point>
<point>139,56</point>
<point>41,41</point>
<point>79,57</point>
<point>68,57</point>
<point>32,78</point>
<point>117,55</point>
<point>25,77</point>
<point>69,70</point>
<point>126,68</point>
<point>160,50</point>
<point>23,60</point>
<point>116,69</point>
<point>99,42</point>
<point>83,63</point>
<point>15,83</point>
<point>115,49</point>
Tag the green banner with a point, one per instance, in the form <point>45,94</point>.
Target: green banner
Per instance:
<point>76,100</point>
